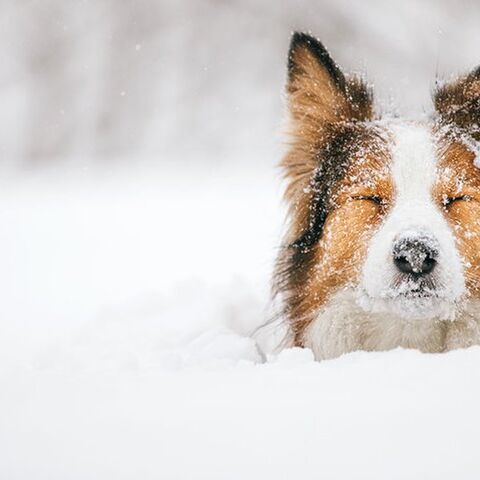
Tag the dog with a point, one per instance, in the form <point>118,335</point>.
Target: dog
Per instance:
<point>382,248</point>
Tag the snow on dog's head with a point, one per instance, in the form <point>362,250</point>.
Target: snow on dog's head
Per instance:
<point>385,210</point>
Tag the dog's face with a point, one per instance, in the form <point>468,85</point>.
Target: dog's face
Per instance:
<point>417,261</point>
<point>386,208</point>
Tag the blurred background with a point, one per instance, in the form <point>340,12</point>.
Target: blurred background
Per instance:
<point>138,146</point>
<point>201,80</point>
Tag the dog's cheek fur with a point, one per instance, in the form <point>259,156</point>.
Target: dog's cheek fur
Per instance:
<point>462,177</point>
<point>332,264</point>
<point>465,218</point>
<point>308,274</point>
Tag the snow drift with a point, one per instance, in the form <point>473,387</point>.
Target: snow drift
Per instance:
<point>112,369</point>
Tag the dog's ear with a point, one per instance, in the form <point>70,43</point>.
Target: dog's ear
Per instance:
<point>458,103</point>
<point>318,92</point>
<point>320,99</point>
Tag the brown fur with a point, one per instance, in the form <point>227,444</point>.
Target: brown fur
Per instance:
<point>460,180</point>
<point>458,103</point>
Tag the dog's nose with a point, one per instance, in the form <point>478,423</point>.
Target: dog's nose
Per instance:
<point>416,256</point>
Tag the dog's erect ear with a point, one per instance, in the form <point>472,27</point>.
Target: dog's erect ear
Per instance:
<point>458,103</point>
<point>323,102</point>
<point>318,92</point>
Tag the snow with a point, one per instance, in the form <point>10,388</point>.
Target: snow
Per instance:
<point>125,253</point>
<point>395,415</point>
<point>129,300</point>
<point>132,288</point>
<point>474,146</point>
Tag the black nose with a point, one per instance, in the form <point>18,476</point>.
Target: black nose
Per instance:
<point>416,256</point>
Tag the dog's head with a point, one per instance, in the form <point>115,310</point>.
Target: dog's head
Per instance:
<point>387,208</point>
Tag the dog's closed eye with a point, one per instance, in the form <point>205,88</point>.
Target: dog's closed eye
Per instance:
<point>370,198</point>
<point>447,201</point>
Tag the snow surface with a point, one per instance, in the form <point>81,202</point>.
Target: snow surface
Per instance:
<point>128,301</point>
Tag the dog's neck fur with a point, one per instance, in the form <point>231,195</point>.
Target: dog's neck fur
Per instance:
<point>343,326</point>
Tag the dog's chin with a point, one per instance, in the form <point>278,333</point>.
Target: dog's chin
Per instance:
<point>412,304</point>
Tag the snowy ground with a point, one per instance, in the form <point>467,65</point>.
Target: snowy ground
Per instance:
<point>397,415</point>
<point>130,252</point>
<point>128,299</point>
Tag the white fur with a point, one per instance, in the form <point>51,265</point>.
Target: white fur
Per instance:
<point>375,315</point>
<point>343,326</point>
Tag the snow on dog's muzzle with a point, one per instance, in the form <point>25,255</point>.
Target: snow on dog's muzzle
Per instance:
<point>412,272</point>
<point>415,255</point>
